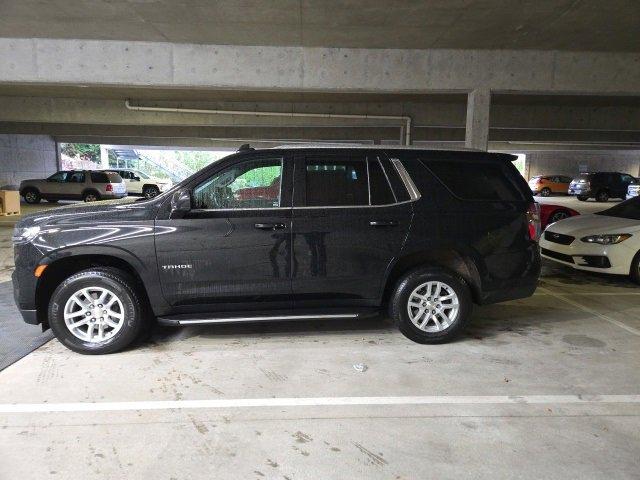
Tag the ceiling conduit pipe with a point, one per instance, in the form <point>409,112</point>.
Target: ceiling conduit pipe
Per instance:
<point>403,118</point>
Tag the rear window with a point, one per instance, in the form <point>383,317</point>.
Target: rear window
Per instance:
<point>477,180</point>
<point>105,177</point>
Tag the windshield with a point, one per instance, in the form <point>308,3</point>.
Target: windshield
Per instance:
<point>629,209</point>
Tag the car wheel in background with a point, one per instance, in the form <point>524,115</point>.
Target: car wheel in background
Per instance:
<point>31,195</point>
<point>545,192</point>
<point>602,196</point>
<point>635,268</point>
<point>91,197</point>
<point>431,305</point>
<point>583,198</point>
<point>96,311</point>
<point>150,192</point>
<point>558,215</point>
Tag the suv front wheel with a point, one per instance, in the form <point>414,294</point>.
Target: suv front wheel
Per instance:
<point>31,195</point>
<point>431,305</point>
<point>96,311</point>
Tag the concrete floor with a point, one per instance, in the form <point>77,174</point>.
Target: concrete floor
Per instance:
<point>547,387</point>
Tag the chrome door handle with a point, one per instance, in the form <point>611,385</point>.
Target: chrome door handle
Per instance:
<point>269,226</point>
<point>383,223</point>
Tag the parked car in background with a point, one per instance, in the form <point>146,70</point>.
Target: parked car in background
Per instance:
<point>87,185</point>
<point>600,185</point>
<point>554,213</point>
<point>335,233</point>
<point>608,241</point>
<point>545,185</point>
<point>634,189</point>
<point>139,183</point>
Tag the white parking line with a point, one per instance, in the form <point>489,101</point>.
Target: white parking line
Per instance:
<point>590,311</point>
<point>316,402</point>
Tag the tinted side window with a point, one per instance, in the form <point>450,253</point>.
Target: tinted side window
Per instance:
<point>336,182</point>
<point>248,184</point>
<point>476,180</point>
<point>99,177</point>
<point>58,177</point>
<point>75,177</point>
<point>381,193</point>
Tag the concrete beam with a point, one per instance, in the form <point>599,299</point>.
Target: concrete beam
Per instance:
<point>477,130</point>
<point>157,64</point>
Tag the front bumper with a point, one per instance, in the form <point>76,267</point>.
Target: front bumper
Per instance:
<point>24,281</point>
<point>590,257</point>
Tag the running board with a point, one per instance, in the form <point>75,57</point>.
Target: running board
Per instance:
<point>203,319</point>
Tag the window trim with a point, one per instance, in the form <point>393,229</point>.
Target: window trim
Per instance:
<point>414,193</point>
<point>248,209</point>
<point>412,190</point>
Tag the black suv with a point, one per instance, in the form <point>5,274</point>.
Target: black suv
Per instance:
<point>600,185</point>
<point>287,234</point>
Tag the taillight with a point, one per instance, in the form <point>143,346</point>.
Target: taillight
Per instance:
<point>533,219</point>
<point>109,187</point>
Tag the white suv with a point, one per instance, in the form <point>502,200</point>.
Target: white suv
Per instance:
<point>139,183</point>
<point>87,185</point>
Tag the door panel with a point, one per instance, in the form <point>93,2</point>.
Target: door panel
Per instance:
<point>341,252</point>
<point>237,256</point>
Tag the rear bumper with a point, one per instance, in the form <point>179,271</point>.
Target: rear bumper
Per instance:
<point>580,191</point>
<point>517,286</point>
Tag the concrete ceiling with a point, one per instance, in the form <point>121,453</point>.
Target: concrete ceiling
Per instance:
<point>259,96</point>
<point>579,25</point>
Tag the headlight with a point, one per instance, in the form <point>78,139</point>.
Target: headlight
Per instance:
<point>24,234</point>
<point>606,239</point>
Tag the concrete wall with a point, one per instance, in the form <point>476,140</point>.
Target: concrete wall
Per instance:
<point>26,156</point>
<point>569,162</point>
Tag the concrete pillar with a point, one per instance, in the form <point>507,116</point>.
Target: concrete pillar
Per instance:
<point>478,106</point>
<point>104,156</point>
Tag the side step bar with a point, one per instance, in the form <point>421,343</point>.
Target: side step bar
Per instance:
<point>204,319</point>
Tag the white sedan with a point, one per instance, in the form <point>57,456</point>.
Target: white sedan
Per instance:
<point>608,241</point>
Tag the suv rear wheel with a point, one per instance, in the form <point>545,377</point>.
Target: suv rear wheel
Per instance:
<point>91,196</point>
<point>602,196</point>
<point>150,191</point>
<point>545,192</point>
<point>96,311</point>
<point>31,195</point>
<point>431,305</point>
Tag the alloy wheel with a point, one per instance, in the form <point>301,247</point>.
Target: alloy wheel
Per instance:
<point>94,314</point>
<point>433,306</point>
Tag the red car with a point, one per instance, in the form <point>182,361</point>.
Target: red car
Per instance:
<point>554,213</point>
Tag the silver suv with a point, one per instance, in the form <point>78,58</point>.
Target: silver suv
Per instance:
<point>87,185</point>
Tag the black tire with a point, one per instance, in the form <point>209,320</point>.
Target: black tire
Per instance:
<point>545,192</point>
<point>558,215</point>
<point>31,195</point>
<point>116,281</point>
<point>634,272</point>
<point>398,305</point>
<point>602,196</point>
<point>91,196</point>
<point>583,198</point>
<point>150,191</point>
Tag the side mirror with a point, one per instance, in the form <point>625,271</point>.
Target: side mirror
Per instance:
<point>136,179</point>
<point>180,203</point>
